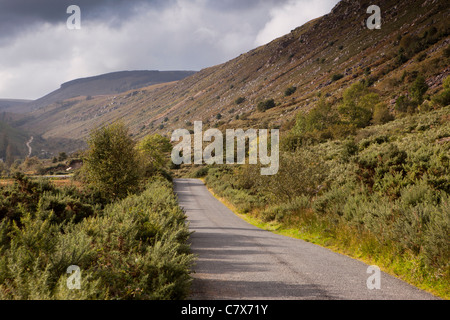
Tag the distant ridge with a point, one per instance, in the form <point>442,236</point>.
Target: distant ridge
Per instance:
<point>107,84</point>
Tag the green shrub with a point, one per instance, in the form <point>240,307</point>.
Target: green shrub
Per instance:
<point>26,195</point>
<point>283,211</point>
<point>350,148</point>
<point>418,89</point>
<point>358,105</point>
<point>337,77</point>
<point>404,105</point>
<point>141,245</point>
<point>239,100</point>
<point>375,164</point>
<point>436,246</point>
<point>299,174</point>
<point>381,114</point>
<point>266,105</point>
<point>200,173</point>
<point>64,208</point>
<point>443,97</point>
<point>290,91</point>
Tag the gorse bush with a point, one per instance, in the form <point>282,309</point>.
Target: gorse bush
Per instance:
<point>226,184</point>
<point>299,174</point>
<point>26,195</point>
<point>141,245</point>
<point>132,249</point>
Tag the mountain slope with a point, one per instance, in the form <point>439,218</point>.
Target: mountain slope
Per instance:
<point>320,58</point>
<point>107,84</point>
<point>14,105</point>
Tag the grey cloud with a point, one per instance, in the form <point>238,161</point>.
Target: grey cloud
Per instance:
<point>23,15</point>
<point>38,52</point>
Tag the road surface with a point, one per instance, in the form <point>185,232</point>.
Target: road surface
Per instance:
<point>29,146</point>
<point>237,261</point>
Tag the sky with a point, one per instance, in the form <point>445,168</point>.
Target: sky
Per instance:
<point>38,52</point>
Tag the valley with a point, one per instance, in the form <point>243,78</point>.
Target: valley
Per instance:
<point>320,58</point>
<point>359,120</point>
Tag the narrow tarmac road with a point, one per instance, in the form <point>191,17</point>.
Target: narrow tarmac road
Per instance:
<point>237,261</point>
<point>29,146</point>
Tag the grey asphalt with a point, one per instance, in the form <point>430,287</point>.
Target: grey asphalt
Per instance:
<point>237,261</point>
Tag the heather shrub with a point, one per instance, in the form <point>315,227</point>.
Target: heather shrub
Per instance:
<point>436,247</point>
<point>300,173</point>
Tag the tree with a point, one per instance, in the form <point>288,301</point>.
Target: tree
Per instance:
<point>418,89</point>
<point>403,104</point>
<point>112,163</point>
<point>62,156</point>
<point>319,118</point>
<point>381,114</point>
<point>153,150</point>
<point>358,105</point>
<point>9,155</point>
<point>443,97</point>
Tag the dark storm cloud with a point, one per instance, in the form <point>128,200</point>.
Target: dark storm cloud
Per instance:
<point>16,15</point>
<point>50,10</point>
